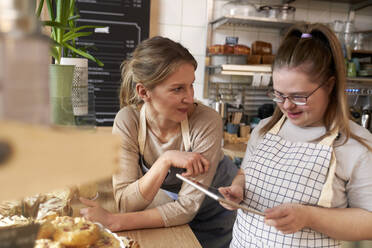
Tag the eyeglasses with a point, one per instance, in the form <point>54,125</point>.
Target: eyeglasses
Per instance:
<point>298,100</point>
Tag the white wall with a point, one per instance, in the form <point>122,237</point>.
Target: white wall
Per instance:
<point>185,21</point>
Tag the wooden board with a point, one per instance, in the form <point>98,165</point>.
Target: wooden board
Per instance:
<point>46,158</point>
<point>168,237</point>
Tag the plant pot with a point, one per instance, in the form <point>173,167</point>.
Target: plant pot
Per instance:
<point>79,85</point>
<point>60,81</point>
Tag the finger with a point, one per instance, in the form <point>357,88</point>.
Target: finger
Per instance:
<point>274,213</point>
<point>205,162</point>
<point>189,171</point>
<point>84,211</point>
<point>88,202</point>
<point>283,222</point>
<point>227,206</point>
<point>195,167</point>
<point>224,191</point>
<point>201,167</point>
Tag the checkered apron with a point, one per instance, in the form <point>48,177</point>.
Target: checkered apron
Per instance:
<point>281,171</point>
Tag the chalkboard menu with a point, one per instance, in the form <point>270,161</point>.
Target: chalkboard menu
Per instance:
<point>124,24</point>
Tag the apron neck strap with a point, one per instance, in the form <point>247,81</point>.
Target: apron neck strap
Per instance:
<point>328,140</point>
<point>275,129</point>
<point>143,128</point>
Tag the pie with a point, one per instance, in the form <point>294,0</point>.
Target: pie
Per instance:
<point>47,243</point>
<point>75,231</point>
<point>80,233</point>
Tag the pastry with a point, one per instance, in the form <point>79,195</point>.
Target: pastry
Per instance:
<point>75,231</point>
<point>47,243</point>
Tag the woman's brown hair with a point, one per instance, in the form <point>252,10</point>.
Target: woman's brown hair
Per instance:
<point>151,63</point>
<point>319,56</point>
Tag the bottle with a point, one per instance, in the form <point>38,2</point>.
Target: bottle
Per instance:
<point>24,63</point>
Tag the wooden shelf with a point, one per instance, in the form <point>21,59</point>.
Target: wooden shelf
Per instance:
<point>360,79</point>
<point>362,53</point>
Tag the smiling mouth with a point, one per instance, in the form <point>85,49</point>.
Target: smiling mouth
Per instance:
<point>291,114</point>
<point>183,110</point>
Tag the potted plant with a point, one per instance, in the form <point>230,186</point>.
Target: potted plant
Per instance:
<point>68,76</point>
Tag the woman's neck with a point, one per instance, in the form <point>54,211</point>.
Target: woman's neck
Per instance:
<point>164,129</point>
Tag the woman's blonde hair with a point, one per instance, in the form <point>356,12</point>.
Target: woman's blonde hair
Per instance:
<point>151,63</point>
<point>320,57</point>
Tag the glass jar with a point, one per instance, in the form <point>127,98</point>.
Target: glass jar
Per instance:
<point>287,12</point>
<point>239,8</point>
<point>24,60</point>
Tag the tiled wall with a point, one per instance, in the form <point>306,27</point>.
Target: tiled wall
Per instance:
<point>185,21</point>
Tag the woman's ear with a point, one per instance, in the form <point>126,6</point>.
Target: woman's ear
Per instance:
<point>142,92</point>
<point>330,84</point>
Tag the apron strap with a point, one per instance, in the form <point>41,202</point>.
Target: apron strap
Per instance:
<point>276,128</point>
<point>142,131</point>
<point>186,134</point>
<point>326,196</point>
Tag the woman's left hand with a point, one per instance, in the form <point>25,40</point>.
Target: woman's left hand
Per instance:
<point>288,218</point>
<point>95,212</point>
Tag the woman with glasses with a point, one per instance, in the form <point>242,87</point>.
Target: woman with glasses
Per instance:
<point>308,168</point>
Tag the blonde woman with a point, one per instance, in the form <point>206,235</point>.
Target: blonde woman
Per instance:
<point>308,167</point>
<point>165,132</point>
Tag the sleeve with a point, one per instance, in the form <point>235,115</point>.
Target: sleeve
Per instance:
<point>206,137</point>
<point>359,187</point>
<point>125,182</point>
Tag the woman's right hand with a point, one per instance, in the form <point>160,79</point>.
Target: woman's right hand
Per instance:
<point>194,163</point>
<point>233,193</point>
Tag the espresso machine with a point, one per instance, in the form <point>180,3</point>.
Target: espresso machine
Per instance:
<point>360,103</point>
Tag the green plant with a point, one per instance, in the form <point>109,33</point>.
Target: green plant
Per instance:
<point>63,15</point>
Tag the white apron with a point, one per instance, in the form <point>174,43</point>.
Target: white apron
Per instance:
<point>281,171</point>
<point>213,224</point>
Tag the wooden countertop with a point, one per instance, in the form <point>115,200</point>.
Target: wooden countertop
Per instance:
<point>234,150</point>
<point>169,237</point>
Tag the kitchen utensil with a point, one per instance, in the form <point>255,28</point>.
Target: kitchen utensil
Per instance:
<point>366,119</point>
<point>220,107</point>
<point>214,194</point>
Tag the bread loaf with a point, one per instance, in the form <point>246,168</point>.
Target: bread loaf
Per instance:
<point>215,49</point>
<point>242,50</point>
<point>261,48</point>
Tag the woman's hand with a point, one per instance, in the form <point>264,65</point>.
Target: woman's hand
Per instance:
<point>233,193</point>
<point>194,163</point>
<point>288,218</point>
<point>96,213</point>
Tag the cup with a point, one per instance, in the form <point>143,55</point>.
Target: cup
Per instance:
<point>244,131</point>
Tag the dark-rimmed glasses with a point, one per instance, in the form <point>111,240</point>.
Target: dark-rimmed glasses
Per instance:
<point>298,100</point>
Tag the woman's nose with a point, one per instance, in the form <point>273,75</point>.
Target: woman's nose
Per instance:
<point>288,104</point>
<point>189,97</point>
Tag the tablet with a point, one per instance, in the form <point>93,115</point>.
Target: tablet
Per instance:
<point>214,194</point>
